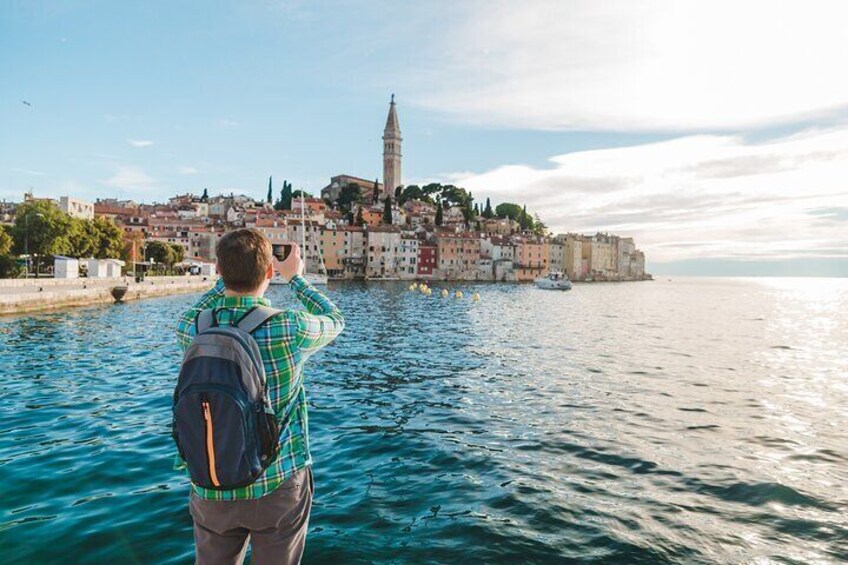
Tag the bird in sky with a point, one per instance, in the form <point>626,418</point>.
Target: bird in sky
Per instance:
<point>26,103</point>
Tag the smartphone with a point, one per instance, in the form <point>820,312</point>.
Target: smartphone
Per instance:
<point>281,250</point>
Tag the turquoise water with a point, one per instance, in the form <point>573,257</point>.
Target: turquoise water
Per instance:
<point>683,421</point>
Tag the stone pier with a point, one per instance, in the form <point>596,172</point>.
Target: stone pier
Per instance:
<point>30,295</point>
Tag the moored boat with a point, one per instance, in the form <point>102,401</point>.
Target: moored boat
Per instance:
<point>553,281</point>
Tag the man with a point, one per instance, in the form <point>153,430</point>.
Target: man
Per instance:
<point>273,512</point>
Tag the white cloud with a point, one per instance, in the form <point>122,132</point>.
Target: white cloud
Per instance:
<point>27,172</point>
<point>188,170</point>
<point>694,197</point>
<point>140,142</point>
<point>653,65</point>
<point>227,124</point>
<point>130,177</point>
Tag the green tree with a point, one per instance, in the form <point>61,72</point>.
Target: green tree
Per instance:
<point>297,193</point>
<point>440,214</point>
<point>349,195</point>
<point>83,239</point>
<point>159,252</point>
<point>360,221</point>
<point>538,226</point>
<point>487,211</point>
<point>398,192</point>
<point>176,253</point>
<point>387,210</point>
<point>525,221</point>
<point>205,196</point>
<point>375,192</point>
<point>285,201</point>
<point>5,241</point>
<point>269,197</point>
<point>508,210</point>
<point>415,192</point>
<point>42,230</point>
<point>110,239</point>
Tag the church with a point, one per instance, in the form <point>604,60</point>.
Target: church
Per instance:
<point>391,165</point>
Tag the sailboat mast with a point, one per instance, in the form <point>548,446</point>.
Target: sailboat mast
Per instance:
<point>303,225</point>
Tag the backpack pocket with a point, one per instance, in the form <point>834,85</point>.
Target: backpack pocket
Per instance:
<point>269,434</point>
<point>216,436</point>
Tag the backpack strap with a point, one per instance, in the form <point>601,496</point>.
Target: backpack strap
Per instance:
<point>205,320</point>
<point>255,317</point>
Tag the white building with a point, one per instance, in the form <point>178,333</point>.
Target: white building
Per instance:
<point>407,257</point>
<point>383,242</point>
<point>76,208</point>
<point>65,267</point>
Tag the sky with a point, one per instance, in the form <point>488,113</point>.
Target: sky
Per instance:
<point>714,133</point>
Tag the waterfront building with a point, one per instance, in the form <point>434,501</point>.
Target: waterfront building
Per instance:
<point>391,153</point>
<point>333,251</point>
<point>637,265</point>
<point>383,243</point>
<point>458,254</point>
<point>427,259</point>
<point>532,255</point>
<point>407,256</point>
<point>603,256</point>
<point>355,254</point>
<point>76,208</point>
<point>310,232</point>
<point>626,249</point>
<point>573,257</point>
<point>556,262</point>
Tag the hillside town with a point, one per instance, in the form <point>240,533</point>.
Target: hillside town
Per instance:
<point>364,229</point>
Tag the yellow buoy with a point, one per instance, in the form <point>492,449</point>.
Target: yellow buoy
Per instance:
<point>458,294</point>
<point>445,293</point>
<point>412,287</point>
<point>476,296</point>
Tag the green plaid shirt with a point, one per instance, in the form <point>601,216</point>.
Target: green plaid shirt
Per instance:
<point>285,342</point>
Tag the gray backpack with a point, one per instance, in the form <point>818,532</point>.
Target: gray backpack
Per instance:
<point>223,423</point>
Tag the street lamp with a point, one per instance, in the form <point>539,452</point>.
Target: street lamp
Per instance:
<point>26,241</point>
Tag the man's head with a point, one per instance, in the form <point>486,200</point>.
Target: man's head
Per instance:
<point>244,261</point>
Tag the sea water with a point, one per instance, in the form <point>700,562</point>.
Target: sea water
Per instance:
<point>676,421</point>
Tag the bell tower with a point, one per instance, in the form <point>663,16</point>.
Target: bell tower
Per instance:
<point>391,152</point>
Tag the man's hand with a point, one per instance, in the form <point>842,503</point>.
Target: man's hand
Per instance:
<point>293,265</point>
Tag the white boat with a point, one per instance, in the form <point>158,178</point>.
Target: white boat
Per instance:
<point>554,281</point>
<point>319,278</point>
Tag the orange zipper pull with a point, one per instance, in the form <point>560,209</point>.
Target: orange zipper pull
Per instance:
<point>210,444</point>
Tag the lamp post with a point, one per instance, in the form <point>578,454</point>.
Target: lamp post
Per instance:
<point>26,241</point>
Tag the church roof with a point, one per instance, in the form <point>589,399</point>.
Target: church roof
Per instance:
<point>392,119</point>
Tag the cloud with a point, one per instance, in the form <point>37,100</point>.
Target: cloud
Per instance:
<point>130,177</point>
<point>188,170</point>
<point>227,124</point>
<point>140,142</point>
<point>27,172</point>
<point>779,199</point>
<point>638,66</point>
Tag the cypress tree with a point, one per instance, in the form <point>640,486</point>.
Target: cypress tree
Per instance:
<point>270,194</point>
<point>205,196</point>
<point>360,221</point>
<point>387,211</point>
<point>439,214</point>
<point>375,194</point>
<point>487,211</point>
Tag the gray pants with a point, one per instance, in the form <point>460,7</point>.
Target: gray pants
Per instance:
<point>275,524</point>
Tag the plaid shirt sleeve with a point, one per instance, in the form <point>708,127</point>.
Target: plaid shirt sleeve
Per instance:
<point>185,326</point>
<point>322,321</point>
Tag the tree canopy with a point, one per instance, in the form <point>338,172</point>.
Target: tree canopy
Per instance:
<point>387,210</point>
